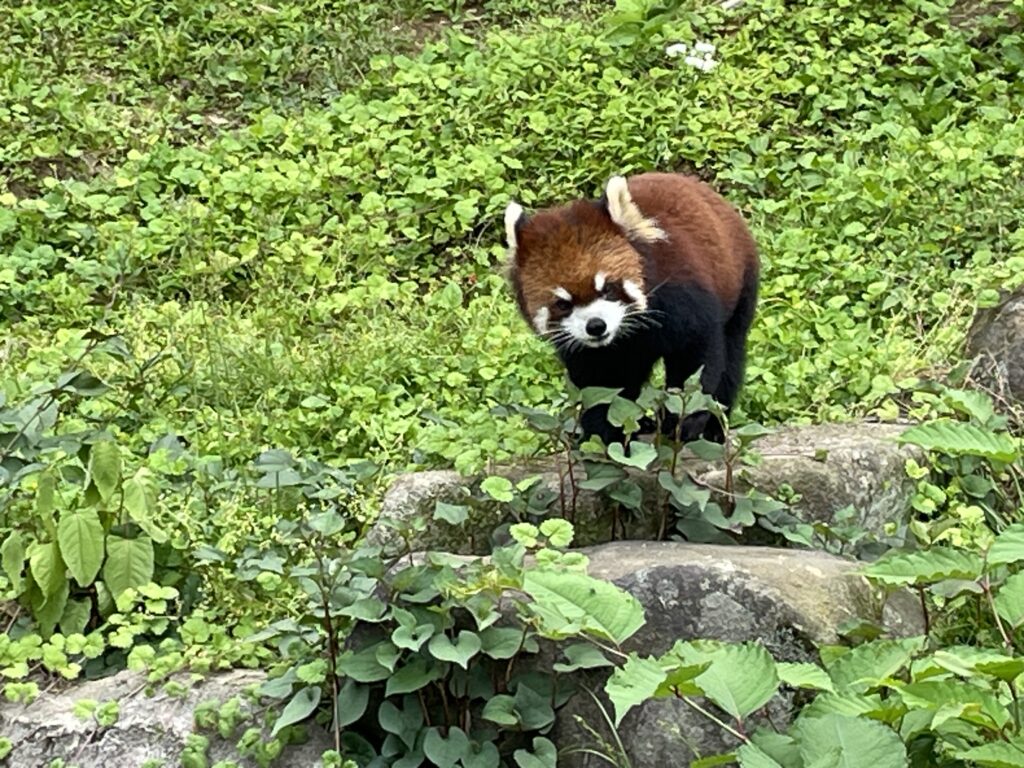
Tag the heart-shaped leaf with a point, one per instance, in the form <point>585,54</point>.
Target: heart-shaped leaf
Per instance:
<point>640,454</point>
<point>465,647</point>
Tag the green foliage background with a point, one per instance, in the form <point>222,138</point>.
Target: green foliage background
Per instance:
<point>272,230</point>
<point>306,223</point>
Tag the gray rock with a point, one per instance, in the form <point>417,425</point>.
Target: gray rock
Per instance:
<point>827,467</point>
<point>148,728</point>
<point>996,345</point>
<point>789,600</point>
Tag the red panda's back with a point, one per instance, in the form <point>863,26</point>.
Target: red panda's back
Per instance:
<point>708,241</point>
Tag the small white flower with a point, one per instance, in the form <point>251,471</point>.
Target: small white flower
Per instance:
<point>704,48</point>
<point>703,64</point>
<point>676,49</point>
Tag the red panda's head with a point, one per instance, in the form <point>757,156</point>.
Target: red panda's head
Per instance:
<point>578,277</point>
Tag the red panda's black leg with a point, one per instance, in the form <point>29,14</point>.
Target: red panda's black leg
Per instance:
<point>694,335</point>
<point>736,330</point>
<point>709,351</point>
<point>626,369</point>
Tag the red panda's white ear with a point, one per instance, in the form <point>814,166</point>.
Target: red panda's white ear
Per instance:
<point>513,213</point>
<point>627,214</point>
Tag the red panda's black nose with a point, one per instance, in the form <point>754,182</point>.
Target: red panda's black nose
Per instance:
<point>596,326</point>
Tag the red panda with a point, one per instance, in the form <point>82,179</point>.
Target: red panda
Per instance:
<point>661,267</point>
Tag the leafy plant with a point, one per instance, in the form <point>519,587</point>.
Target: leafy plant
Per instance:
<point>429,658</point>
<point>974,475</point>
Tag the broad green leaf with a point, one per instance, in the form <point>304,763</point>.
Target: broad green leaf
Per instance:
<point>624,412</point>
<point>804,676</point>
<point>302,705</point>
<point>455,514</point>
<point>740,678</point>
<point>80,535</point>
<point>445,751</point>
<point>582,656</point>
<point>48,609</point>
<point>498,488</point>
<point>12,556</point>
<point>486,756</point>
<point>780,747</point>
<point>633,683</point>
<point>599,606</point>
<point>501,642</point>
<point>640,454</point>
<point>363,665</point>
<point>984,708</point>
<point>351,703</point>
<point>501,709</point>
<point>959,438</point>
<point>1008,546</point>
<point>405,722</point>
<point>843,704</point>
<point>45,502</point>
<point>533,708</point>
<point>466,646</point>
<point>860,743</point>
<point>140,501</point>
<point>970,402</point>
<point>965,661</point>
<point>925,567</point>
<point>412,637</point>
<point>751,756</point>
<point>76,616</point>
<point>681,679</point>
<point>1009,600</point>
<point>129,563</point>
<point>105,467</point>
<point>544,755</point>
<point>558,532</point>
<point>312,672</point>
<point>47,567</point>
<point>592,396</point>
<point>863,666</point>
<point>413,676</point>
<point>714,761</point>
<point>997,754</point>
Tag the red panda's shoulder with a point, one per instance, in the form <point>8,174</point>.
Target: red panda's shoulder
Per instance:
<point>706,239</point>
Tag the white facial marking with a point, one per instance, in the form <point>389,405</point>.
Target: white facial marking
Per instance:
<point>540,320</point>
<point>513,213</point>
<point>611,312</point>
<point>628,215</point>
<point>632,290</point>
<point>599,280</point>
<point>561,293</point>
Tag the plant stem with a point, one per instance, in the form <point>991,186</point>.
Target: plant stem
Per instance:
<point>713,718</point>
<point>986,585</point>
<point>924,610</point>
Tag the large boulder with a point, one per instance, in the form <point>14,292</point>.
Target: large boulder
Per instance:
<point>789,600</point>
<point>149,729</point>
<point>823,469</point>
<point>996,345</point>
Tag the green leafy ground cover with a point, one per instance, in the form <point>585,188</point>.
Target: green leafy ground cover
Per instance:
<point>327,274</point>
<point>243,245</point>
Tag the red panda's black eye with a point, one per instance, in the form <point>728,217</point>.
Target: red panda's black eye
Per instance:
<point>563,305</point>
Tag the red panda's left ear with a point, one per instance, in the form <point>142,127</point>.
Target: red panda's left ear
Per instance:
<point>515,217</point>
<point>627,214</point>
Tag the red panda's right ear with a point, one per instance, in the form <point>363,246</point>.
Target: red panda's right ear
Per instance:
<point>515,218</point>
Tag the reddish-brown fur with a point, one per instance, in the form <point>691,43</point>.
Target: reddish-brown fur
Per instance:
<point>707,243</point>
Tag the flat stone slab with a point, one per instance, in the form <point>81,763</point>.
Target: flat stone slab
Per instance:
<point>148,728</point>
